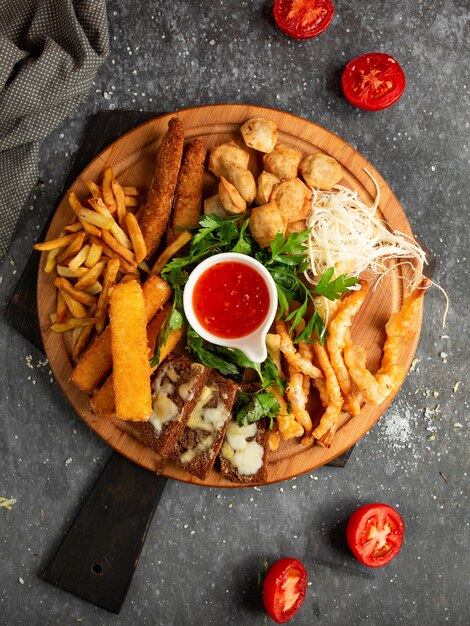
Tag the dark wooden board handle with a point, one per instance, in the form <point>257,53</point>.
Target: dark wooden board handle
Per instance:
<point>97,558</point>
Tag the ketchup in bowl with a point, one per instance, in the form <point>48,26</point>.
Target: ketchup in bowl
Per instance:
<point>230,300</point>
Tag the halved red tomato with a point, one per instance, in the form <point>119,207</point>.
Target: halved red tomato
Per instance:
<point>284,589</point>
<point>375,534</point>
<point>373,81</point>
<point>303,19</point>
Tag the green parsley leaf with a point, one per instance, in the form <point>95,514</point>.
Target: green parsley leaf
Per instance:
<point>263,404</point>
<point>333,289</point>
<point>207,354</point>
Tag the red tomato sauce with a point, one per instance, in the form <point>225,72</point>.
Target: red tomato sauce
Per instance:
<point>230,300</point>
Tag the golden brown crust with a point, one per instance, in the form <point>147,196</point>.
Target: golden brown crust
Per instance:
<point>188,196</point>
<point>157,209</point>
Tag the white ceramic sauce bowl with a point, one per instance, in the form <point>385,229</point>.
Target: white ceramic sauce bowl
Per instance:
<point>252,345</point>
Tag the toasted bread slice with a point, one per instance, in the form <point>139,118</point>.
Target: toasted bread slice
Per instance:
<point>203,434</point>
<point>175,391</point>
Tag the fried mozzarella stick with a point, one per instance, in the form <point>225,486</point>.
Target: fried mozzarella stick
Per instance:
<point>97,361</point>
<point>157,209</point>
<point>131,367</point>
<point>188,196</point>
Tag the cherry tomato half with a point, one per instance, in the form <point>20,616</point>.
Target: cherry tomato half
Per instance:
<point>303,19</point>
<point>375,534</point>
<point>373,81</point>
<point>284,589</point>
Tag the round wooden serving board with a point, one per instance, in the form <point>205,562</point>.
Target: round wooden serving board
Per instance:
<point>132,159</point>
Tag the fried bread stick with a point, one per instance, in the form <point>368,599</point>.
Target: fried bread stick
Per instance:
<point>97,361</point>
<point>157,209</point>
<point>188,196</point>
<point>131,367</point>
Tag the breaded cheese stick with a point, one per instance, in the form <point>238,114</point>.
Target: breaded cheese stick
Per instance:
<point>97,361</point>
<point>188,196</point>
<point>131,367</point>
<point>157,209</point>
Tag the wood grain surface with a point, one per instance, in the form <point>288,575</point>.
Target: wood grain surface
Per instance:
<point>132,158</point>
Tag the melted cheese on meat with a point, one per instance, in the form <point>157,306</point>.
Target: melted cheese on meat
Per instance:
<point>245,456</point>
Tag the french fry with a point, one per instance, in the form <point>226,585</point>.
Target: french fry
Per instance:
<point>90,277</point>
<point>79,259</point>
<point>94,189</point>
<point>107,190</point>
<point>99,206</point>
<point>51,262</point>
<point>64,285</point>
<point>72,249</point>
<point>126,267</point>
<point>170,251</point>
<point>76,308</point>
<point>60,242</point>
<point>92,217</point>
<point>130,202</point>
<point>103,300</point>
<point>131,368</point>
<point>118,248</point>
<point>136,237</point>
<point>94,255</point>
<point>66,272</point>
<point>94,289</point>
<point>76,208</point>
<point>74,227</point>
<point>61,309</point>
<point>144,267</point>
<point>82,341</point>
<point>120,236</point>
<point>120,200</point>
<point>130,191</point>
<point>102,402</point>
<point>73,323</point>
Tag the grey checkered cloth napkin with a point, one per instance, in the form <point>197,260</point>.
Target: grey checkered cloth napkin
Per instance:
<point>49,53</point>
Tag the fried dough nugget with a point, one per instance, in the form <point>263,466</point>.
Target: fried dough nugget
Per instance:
<point>227,155</point>
<point>283,162</point>
<point>131,367</point>
<point>265,185</point>
<point>214,206</point>
<point>230,198</point>
<point>321,171</point>
<point>259,133</point>
<point>293,198</point>
<point>292,356</point>
<point>243,181</point>
<point>188,194</point>
<point>156,211</point>
<point>338,338</point>
<point>265,222</point>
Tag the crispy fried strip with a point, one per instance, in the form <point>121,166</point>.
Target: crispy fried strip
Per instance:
<point>61,309</point>
<point>273,344</point>
<point>74,227</point>
<point>291,354</point>
<point>97,362</point>
<point>76,208</point>
<point>374,389</point>
<point>188,195</point>
<point>82,342</point>
<point>72,249</point>
<point>120,199</point>
<point>337,340</point>
<point>131,367</point>
<point>94,189</point>
<point>160,197</point>
<point>72,323</point>
<point>103,300</point>
<point>127,268</point>
<point>130,202</point>
<point>296,396</point>
<point>289,427</point>
<point>76,308</point>
<point>90,277</point>
<point>332,413</point>
<point>274,438</point>
<point>130,191</point>
<point>169,252</point>
<point>399,325</point>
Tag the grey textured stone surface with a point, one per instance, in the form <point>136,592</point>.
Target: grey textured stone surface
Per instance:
<point>206,547</point>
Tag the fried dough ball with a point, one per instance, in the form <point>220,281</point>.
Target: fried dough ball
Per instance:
<point>225,156</point>
<point>283,162</point>
<point>213,206</point>
<point>231,200</point>
<point>296,227</point>
<point>321,171</point>
<point>293,199</point>
<point>265,222</point>
<point>266,182</point>
<point>244,182</point>
<point>260,134</point>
